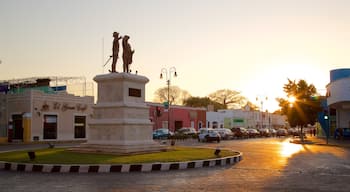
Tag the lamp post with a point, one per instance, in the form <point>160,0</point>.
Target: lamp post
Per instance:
<point>261,109</point>
<point>168,73</point>
<point>326,119</point>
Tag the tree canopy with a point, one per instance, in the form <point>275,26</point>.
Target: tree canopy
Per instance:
<point>176,95</point>
<point>229,98</point>
<point>202,102</point>
<point>302,110</point>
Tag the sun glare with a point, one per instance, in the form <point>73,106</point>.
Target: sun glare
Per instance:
<point>288,149</point>
<point>291,99</point>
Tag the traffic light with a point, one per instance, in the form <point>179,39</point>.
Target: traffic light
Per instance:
<point>314,98</point>
<point>158,111</point>
<point>166,104</point>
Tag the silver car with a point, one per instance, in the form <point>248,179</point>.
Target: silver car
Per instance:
<point>208,134</point>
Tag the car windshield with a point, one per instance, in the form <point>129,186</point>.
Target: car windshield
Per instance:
<point>203,131</point>
<point>161,131</point>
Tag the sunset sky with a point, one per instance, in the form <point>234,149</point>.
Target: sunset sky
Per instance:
<point>251,46</point>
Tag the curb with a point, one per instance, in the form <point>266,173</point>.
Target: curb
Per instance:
<point>115,168</point>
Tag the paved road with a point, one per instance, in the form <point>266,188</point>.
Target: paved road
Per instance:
<point>271,164</point>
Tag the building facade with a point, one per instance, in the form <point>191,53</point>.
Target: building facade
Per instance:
<point>244,118</point>
<point>338,99</point>
<point>40,113</point>
<point>177,116</point>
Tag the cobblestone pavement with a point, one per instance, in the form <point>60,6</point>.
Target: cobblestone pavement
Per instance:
<point>269,164</point>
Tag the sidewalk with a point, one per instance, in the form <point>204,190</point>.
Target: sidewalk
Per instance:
<point>33,146</point>
<point>331,141</point>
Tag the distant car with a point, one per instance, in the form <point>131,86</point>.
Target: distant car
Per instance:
<point>208,134</point>
<point>225,133</point>
<point>273,132</point>
<point>264,132</point>
<point>253,132</point>
<point>293,132</point>
<point>187,131</point>
<point>342,133</point>
<point>240,132</point>
<point>162,133</point>
<point>281,132</point>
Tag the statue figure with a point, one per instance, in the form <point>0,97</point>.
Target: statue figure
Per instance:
<point>115,50</point>
<point>127,53</point>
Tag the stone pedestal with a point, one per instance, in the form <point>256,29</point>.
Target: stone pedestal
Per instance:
<point>120,122</point>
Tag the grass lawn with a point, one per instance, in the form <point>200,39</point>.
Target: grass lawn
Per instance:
<point>62,156</point>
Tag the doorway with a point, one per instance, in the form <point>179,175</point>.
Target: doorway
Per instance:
<point>178,125</point>
<point>17,120</point>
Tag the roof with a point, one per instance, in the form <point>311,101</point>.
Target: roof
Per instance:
<point>34,79</point>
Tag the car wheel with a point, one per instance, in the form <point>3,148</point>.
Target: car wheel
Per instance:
<point>206,138</point>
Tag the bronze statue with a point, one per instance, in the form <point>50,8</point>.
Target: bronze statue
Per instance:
<point>127,54</point>
<point>115,50</point>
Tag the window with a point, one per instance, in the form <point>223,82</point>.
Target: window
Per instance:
<point>50,126</point>
<point>192,123</point>
<point>199,124</point>
<point>79,126</point>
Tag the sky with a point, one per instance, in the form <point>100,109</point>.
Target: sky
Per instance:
<point>251,46</point>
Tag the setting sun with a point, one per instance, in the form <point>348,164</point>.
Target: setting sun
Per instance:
<point>291,99</point>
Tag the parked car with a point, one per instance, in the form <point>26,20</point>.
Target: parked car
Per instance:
<point>240,132</point>
<point>293,132</point>
<point>208,134</point>
<point>264,132</point>
<point>252,133</point>
<point>281,132</point>
<point>225,133</point>
<point>162,133</point>
<point>273,132</point>
<point>342,133</point>
<point>187,131</point>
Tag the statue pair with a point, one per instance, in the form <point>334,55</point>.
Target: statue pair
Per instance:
<point>127,52</point>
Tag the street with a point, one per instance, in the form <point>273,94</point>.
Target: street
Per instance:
<point>269,164</point>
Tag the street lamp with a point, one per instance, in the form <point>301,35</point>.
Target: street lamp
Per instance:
<point>168,73</point>
<point>261,109</point>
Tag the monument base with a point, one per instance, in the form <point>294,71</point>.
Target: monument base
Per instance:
<point>120,121</point>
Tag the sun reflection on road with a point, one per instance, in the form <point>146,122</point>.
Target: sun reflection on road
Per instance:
<point>288,149</point>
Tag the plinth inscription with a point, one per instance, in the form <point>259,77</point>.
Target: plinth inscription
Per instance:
<point>134,92</point>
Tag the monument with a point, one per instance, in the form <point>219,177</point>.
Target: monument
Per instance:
<point>120,122</point>
<point>115,51</point>
<point>127,54</point>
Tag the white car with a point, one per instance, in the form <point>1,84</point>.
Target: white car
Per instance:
<point>225,133</point>
<point>208,134</point>
<point>187,131</point>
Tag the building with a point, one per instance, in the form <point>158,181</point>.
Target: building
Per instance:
<point>178,116</point>
<point>34,110</point>
<point>338,100</point>
<point>244,118</point>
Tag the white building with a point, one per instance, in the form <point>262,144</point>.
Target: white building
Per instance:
<point>244,118</point>
<point>338,98</point>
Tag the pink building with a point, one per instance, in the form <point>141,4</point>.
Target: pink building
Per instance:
<point>178,116</point>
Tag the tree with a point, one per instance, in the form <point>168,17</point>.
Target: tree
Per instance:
<point>202,102</point>
<point>252,106</point>
<point>303,110</point>
<point>176,95</point>
<point>229,98</point>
